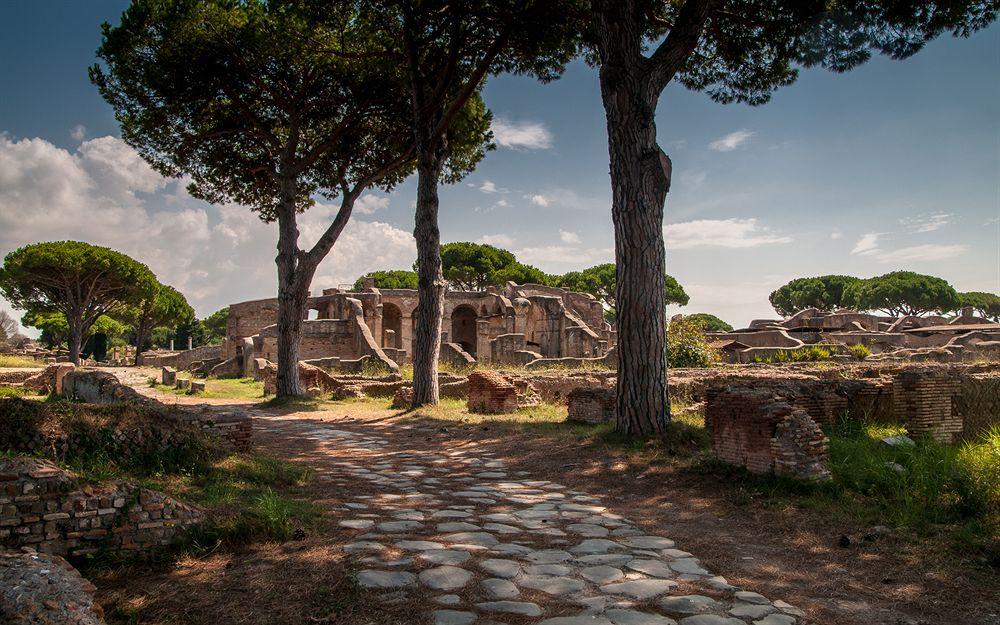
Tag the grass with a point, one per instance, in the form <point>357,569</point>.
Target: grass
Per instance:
<point>18,362</point>
<point>406,370</point>
<point>226,388</point>
<point>12,391</point>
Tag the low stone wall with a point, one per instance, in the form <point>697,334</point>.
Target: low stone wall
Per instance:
<point>491,393</point>
<point>16,377</point>
<point>754,429</point>
<point>41,506</point>
<point>591,405</point>
<point>43,589</point>
<point>180,359</point>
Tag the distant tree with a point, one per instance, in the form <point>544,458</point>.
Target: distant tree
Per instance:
<point>735,51</point>
<point>902,293</point>
<point>473,266</point>
<point>822,292</point>
<point>446,50</point>
<point>986,304</point>
<point>55,330</point>
<point>601,282</point>
<point>709,322</point>
<point>264,103</point>
<point>522,274</point>
<point>215,325</point>
<point>389,279</point>
<point>8,327</point>
<point>78,280</point>
<point>164,307</point>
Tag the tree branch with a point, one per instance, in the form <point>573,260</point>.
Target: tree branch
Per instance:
<point>671,55</point>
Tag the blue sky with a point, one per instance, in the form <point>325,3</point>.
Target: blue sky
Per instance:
<point>895,165</point>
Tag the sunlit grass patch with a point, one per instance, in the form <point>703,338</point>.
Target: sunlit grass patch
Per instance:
<point>18,362</point>
<point>221,388</point>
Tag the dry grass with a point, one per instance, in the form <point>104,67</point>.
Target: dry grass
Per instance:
<point>10,361</point>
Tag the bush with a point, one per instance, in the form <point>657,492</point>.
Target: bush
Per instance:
<point>859,351</point>
<point>686,345</point>
<point>812,353</point>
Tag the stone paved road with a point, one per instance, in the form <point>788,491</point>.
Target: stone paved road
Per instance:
<point>481,543</point>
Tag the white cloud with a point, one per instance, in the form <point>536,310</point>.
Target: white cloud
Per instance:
<point>79,132</point>
<point>693,178</point>
<point>570,238</point>
<point>539,200</point>
<point>928,252</point>
<point>488,186</point>
<point>517,135</point>
<point>867,244</point>
<point>497,240</point>
<point>103,193</point>
<point>836,234</point>
<point>368,204</point>
<point>927,223</point>
<point>731,233</point>
<point>732,141</point>
<point>563,257</point>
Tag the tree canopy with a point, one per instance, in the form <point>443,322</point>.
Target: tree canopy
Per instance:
<point>389,279</point>
<point>215,325</point>
<point>986,304</point>
<point>902,293</point>
<point>600,281</point>
<point>476,266</point>
<point>821,292</point>
<point>163,307</point>
<point>78,280</point>
<point>709,322</point>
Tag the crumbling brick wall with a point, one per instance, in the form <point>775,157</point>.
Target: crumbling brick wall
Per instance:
<point>922,399</point>
<point>977,403</point>
<point>491,393</point>
<point>38,588</point>
<point>754,428</point>
<point>42,506</point>
<point>591,405</point>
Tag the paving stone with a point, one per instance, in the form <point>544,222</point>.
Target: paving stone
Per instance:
<point>752,597</point>
<point>511,549</point>
<point>648,542</point>
<point>655,568</point>
<point>417,545</point>
<point>399,527</point>
<point>451,514</point>
<point>558,586</point>
<point>596,546</point>
<point>601,575</point>
<point>619,616</point>
<point>500,568</point>
<point>788,608</point>
<point>640,588</point>
<point>610,559</point>
<point>357,524</point>
<point>453,617</point>
<point>481,539</point>
<point>500,588</point>
<point>511,607</point>
<point>371,578</point>
<point>547,569</point>
<point>582,619</point>
<point>710,619</point>
<point>363,545</point>
<point>586,529</point>
<point>501,528</point>
<point>688,565</point>
<point>445,577</point>
<point>548,556</point>
<point>448,599</point>
<point>689,604</point>
<point>445,556</point>
<point>751,610</point>
<point>457,526</point>
<point>776,619</point>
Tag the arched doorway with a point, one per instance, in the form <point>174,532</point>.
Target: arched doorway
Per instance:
<point>392,319</point>
<point>463,328</point>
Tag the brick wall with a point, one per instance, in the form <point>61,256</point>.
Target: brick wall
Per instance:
<point>922,400</point>
<point>41,506</point>
<point>591,405</point>
<point>38,588</point>
<point>491,393</point>
<point>754,428</point>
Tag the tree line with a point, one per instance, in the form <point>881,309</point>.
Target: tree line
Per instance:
<point>897,294</point>
<point>273,103</point>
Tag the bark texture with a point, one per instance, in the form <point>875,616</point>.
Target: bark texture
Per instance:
<point>430,278</point>
<point>291,302</point>
<point>75,340</point>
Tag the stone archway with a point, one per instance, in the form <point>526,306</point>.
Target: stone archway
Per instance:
<point>463,328</point>
<point>392,319</point>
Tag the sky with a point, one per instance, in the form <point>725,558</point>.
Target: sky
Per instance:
<point>895,165</point>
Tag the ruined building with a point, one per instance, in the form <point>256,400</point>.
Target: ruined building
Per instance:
<point>514,324</point>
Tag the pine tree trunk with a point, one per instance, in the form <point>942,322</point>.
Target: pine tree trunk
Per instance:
<point>639,182</point>
<point>291,302</point>
<point>74,340</point>
<point>430,280</point>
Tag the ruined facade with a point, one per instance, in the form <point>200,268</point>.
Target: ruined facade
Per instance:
<point>513,324</point>
<point>961,337</point>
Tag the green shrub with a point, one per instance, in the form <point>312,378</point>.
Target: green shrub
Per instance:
<point>687,346</point>
<point>811,353</point>
<point>859,351</point>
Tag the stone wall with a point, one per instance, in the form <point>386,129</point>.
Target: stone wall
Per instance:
<point>43,589</point>
<point>591,405</point>
<point>42,506</point>
<point>977,403</point>
<point>181,359</point>
<point>922,400</point>
<point>752,428</point>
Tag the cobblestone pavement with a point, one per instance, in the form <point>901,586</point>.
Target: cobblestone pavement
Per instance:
<point>454,530</point>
